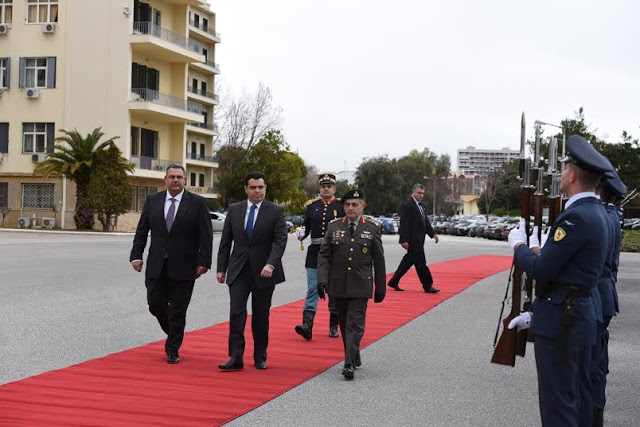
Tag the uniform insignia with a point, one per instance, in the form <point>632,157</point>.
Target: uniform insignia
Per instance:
<point>569,223</point>
<point>310,201</point>
<point>366,235</point>
<point>559,234</point>
<point>335,213</point>
<point>364,250</point>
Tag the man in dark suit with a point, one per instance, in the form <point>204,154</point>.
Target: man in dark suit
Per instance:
<point>257,229</point>
<point>414,225</point>
<point>180,252</point>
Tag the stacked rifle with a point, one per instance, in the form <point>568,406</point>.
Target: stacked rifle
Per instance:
<point>513,343</point>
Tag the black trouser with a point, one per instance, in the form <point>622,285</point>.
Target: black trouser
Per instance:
<point>168,300</point>
<point>239,292</point>
<point>413,257</point>
<point>351,318</point>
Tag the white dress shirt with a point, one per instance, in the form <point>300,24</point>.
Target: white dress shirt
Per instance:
<point>167,203</point>
<point>255,214</point>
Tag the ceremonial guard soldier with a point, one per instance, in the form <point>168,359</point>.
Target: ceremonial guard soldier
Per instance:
<point>567,270</point>
<point>350,262</point>
<point>320,211</point>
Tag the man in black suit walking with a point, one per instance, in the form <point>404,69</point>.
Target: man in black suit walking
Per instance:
<point>180,252</point>
<point>414,225</point>
<point>257,229</point>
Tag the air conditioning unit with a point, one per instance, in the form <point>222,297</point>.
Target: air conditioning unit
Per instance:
<point>37,157</point>
<point>24,222</point>
<point>33,93</point>
<point>4,29</point>
<point>48,223</point>
<point>48,28</point>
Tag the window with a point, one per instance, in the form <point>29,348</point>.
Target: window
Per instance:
<point>134,199</point>
<point>6,11</point>
<point>38,72</point>
<point>135,140</point>
<point>201,180</point>
<point>37,196</point>
<point>201,152</point>
<point>4,138</point>
<point>205,24</point>
<point>192,181</point>
<point>4,194</point>
<point>42,11</point>
<point>37,137</point>
<point>142,196</point>
<point>5,69</point>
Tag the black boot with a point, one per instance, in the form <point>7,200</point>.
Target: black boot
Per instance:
<point>307,324</point>
<point>333,325</point>
<point>598,417</point>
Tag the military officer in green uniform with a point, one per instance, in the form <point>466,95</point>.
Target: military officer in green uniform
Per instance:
<point>320,211</point>
<point>350,262</point>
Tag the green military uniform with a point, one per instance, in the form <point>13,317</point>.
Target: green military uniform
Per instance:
<point>349,265</point>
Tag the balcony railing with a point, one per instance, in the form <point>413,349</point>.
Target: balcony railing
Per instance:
<point>150,95</point>
<point>204,28</point>
<point>151,163</point>
<point>204,93</point>
<point>212,64</point>
<point>202,157</point>
<point>210,126</point>
<point>166,35</point>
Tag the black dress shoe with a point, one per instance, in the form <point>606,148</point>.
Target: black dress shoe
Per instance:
<point>261,365</point>
<point>357,363</point>
<point>396,288</point>
<point>432,290</point>
<point>232,365</point>
<point>173,358</point>
<point>348,372</point>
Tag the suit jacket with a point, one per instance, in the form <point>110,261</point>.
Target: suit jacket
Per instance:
<point>267,244</point>
<point>350,265</point>
<point>412,227</point>
<point>186,247</point>
<point>574,255</point>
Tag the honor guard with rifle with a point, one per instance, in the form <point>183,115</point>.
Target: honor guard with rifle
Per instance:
<point>611,191</point>
<point>320,211</point>
<point>564,316</point>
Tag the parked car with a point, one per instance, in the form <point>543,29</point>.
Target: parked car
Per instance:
<point>290,225</point>
<point>389,225</point>
<point>296,220</point>
<point>217,220</point>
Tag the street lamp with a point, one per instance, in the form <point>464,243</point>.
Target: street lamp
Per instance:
<point>564,135</point>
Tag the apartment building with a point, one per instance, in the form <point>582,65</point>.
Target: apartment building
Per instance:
<point>473,161</point>
<point>142,70</point>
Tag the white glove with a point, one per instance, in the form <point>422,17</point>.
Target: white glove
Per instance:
<point>533,239</point>
<point>522,321</point>
<point>518,235</point>
<point>545,236</point>
<point>301,232</point>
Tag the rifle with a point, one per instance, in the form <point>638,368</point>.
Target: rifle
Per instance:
<point>510,343</point>
<point>554,182</point>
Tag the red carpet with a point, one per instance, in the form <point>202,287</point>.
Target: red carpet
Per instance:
<point>136,387</point>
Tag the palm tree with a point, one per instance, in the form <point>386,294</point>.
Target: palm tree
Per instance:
<point>74,157</point>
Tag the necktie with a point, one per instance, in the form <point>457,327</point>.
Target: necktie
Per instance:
<point>171,213</point>
<point>250,219</point>
<point>421,212</point>
<point>352,228</point>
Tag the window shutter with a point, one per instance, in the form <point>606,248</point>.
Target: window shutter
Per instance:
<point>8,64</point>
<point>23,72</point>
<point>51,133</point>
<point>51,72</point>
<point>4,137</point>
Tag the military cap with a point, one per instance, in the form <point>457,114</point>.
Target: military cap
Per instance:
<point>580,152</point>
<point>614,184</point>
<point>352,194</point>
<point>326,178</point>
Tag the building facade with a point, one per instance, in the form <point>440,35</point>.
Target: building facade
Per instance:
<point>472,161</point>
<point>144,71</point>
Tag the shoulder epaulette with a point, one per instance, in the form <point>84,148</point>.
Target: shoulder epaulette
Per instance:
<point>334,220</point>
<point>373,221</point>
<point>310,201</point>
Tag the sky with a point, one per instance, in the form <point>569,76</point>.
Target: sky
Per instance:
<point>358,79</point>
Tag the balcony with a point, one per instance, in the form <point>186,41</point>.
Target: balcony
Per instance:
<point>159,106</point>
<point>203,96</point>
<point>150,166</point>
<point>204,31</point>
<point>206,66</point>
<point>206,192</point>
<point>209,129</point>
<point>200,158</point>
<point>154,41</point>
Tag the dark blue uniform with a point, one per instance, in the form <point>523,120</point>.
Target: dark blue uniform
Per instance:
<point>316,219</point>
<point>565,314</point>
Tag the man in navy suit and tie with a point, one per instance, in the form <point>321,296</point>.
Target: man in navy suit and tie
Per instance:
<point>180,252</point>
<point>257,231</point>
<point>414,225</point>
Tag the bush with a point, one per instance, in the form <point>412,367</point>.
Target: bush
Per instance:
<point>630,241</point>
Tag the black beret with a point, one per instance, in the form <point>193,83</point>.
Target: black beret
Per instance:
<point>352,194</point>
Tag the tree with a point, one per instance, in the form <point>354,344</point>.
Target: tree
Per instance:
<point>382,183</point>
<point>74,157</point>
<point>109,192</point>
<point>310,181</point>
<point>342,186</point>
